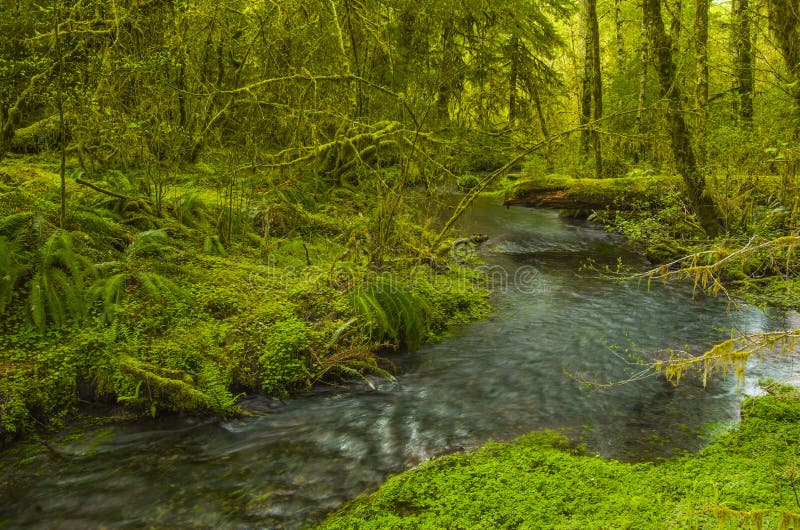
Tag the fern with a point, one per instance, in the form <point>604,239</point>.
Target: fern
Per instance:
<point>130,275</point>
<point>150,243</point>
<point>191,211</point>
<point>214,384</point>
<point>213,245</point>
<point>12,225</point>
<point>99,226</point>
<point>393,311</point>
<point>56,288</point>
<point>150,385</point>
<point>157,287</point>
<point>110,291</point>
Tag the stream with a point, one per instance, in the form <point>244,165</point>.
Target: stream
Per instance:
<point>518,371</point>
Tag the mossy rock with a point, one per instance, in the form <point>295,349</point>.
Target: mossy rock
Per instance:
<point>665,252</point>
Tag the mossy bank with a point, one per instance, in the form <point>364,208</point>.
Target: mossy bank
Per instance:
<point>746,478</point>
<point>180,292</point>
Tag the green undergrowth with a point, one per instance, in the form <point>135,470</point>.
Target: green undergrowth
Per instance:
<point>748,477</point>
<point>181,292</point>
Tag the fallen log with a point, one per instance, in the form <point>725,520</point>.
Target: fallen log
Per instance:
<point>567,193</point>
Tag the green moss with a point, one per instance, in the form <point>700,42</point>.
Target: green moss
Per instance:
<point>622,193</point>
<point>541,481</point>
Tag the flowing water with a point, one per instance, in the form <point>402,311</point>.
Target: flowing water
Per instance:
<point>518,371</point>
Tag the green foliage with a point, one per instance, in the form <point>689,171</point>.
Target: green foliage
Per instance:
<point>152,387</point>
<point>131,275</point>
<point>166,325</point>
<point>56,290</point>
<point>283,361</point>
<point>191,210</point>
<point>392,311</point>
<point>213,245</point>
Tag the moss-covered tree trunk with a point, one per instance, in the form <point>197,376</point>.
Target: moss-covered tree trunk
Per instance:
<point>592,86</point>
<point>784,22</point>
<point>743,60</point>
<point>6,131</point>
<point>701,74</point>
<point>680,137</point>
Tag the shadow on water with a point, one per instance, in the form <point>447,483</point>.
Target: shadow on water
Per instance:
<point>297,460</point>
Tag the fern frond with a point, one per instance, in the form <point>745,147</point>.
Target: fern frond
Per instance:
<point>36,302</point>
<point>190,210</point>
<point>154,243</point>
<point>213,245</point>
<point>394,311</point>
<point>157,287</point>
<point>99,226</point>
<point>11,225</point>
<point>27,228</point>
<point>109,291</point>
<point>64,293</point>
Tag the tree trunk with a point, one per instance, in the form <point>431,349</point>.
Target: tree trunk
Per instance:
<point>619,32</point>
<point>701,83</point>
<point>625,193</point>
<point>586,87</point>
<point>548,153</point>
<point>784,22</point>
<point>644,56</point>
<point>743,60</point>
<point>513,48</point>
<point>676,24</point>
<point>7,130</point>
<point>62,130</point>
<point>597,83</point>
<point>591,87</point>
<point>680,139</point>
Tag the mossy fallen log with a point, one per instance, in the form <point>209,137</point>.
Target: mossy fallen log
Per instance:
<point>567,193</point>
<point>39,136</point>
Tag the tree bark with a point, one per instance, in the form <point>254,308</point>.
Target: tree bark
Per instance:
<point>644,56</point>
<point>676,24</point>
<point>743,60</point>
<point>513,80</point>
<point>586,86</point>
<point>7,130</point>
<point>680,138</point>
<point>618,26</point>
<point>784,22</point>
<point>701,82</point>
<point>548,149</point>
<point>591,87</point>
<point>597,84</point>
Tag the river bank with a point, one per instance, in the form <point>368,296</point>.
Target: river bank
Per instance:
<point>210,292</point>
<point>295,460</point>
<point>745,478</point>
